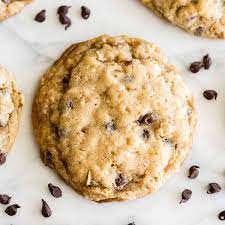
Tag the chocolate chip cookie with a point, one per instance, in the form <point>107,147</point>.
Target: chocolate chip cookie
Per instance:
<point>11,102</point>
<point>113,118</point>
<point>200,17</point>
<point>11,7</point>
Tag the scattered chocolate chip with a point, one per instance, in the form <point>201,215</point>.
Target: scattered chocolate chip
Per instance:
<point>199,31</point>
<point>145,134</point>
<point>210,94</point>
<point>131,223</point>
<point>85,12</point>
<point>195,67</point>
<point>12,209</point>
<point>2,158</point>
<point>41,16</point>
<point>186,195</point>
<point>193,172</point>
<point>120,181</point>
<point>221,215</point>
<point>45,210</point>
<point>110,127</point>
<point>207,61</point>
<point>55,191</point>
<point>63,9</point>
<point>213,188</point>
<point>65,20</point>
<point>5,199</point>
<point>147,119</point>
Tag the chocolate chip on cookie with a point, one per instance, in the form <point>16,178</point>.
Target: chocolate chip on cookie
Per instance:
<point>121,181</point>
<point>146,134</point>
<point>110,127</point>
<point>12,209</point>
<point>148,119</point>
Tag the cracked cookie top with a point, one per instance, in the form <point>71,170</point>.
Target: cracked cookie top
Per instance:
<point>11,7</point>
<point>113,118</point>
<point>199,17</point>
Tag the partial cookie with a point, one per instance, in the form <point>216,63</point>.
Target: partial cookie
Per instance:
<point>11,102</point>
<point>11,7</point>
<point>200,17</point>
<point>114,118</point>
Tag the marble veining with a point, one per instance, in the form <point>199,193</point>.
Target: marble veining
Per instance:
<point>27,49</point>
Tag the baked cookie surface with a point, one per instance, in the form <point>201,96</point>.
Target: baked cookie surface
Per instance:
<point>113,118</point>
<point>11,7</point>
<point>11,102</point>
<point>200,17</point>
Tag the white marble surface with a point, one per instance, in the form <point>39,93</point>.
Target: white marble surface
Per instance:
<point>28,49</point>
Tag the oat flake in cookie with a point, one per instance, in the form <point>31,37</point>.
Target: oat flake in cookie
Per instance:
<point>11,102</point>
<point>110,137</point>
<point>199,17</point>
<point>11,7</point>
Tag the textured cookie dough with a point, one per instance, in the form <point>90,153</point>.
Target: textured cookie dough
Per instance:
<point>11,7</point>
<point>113,118</point>
<point>11,102</point>
<point>199,17</point>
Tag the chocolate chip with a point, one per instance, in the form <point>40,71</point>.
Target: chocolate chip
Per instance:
<point>210,94</point>
<point>41,16</point>
<point>85,12</point>
<point>193,172</point>
<point>207,61</point>
<point>110,127</point>
<point>45,210</point>
<point>65,20</point>
<point>12,209</point>
<point>48,158</point>
<point>199,31</point>
<point>186,195</point>
<point>221,215</point>
<point>55,191</point>
<point>65,82</point>
<point>121,180</point>
<point>195,67</point>
<point>213,188</point>
<point>61,132</point>
<point>70,104</point>
<point>145,134</point>
<point>5,199</point>
<point>2,158</point>
<point>131,223</point>
<point>63,9</point>
<point>147,119</point>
